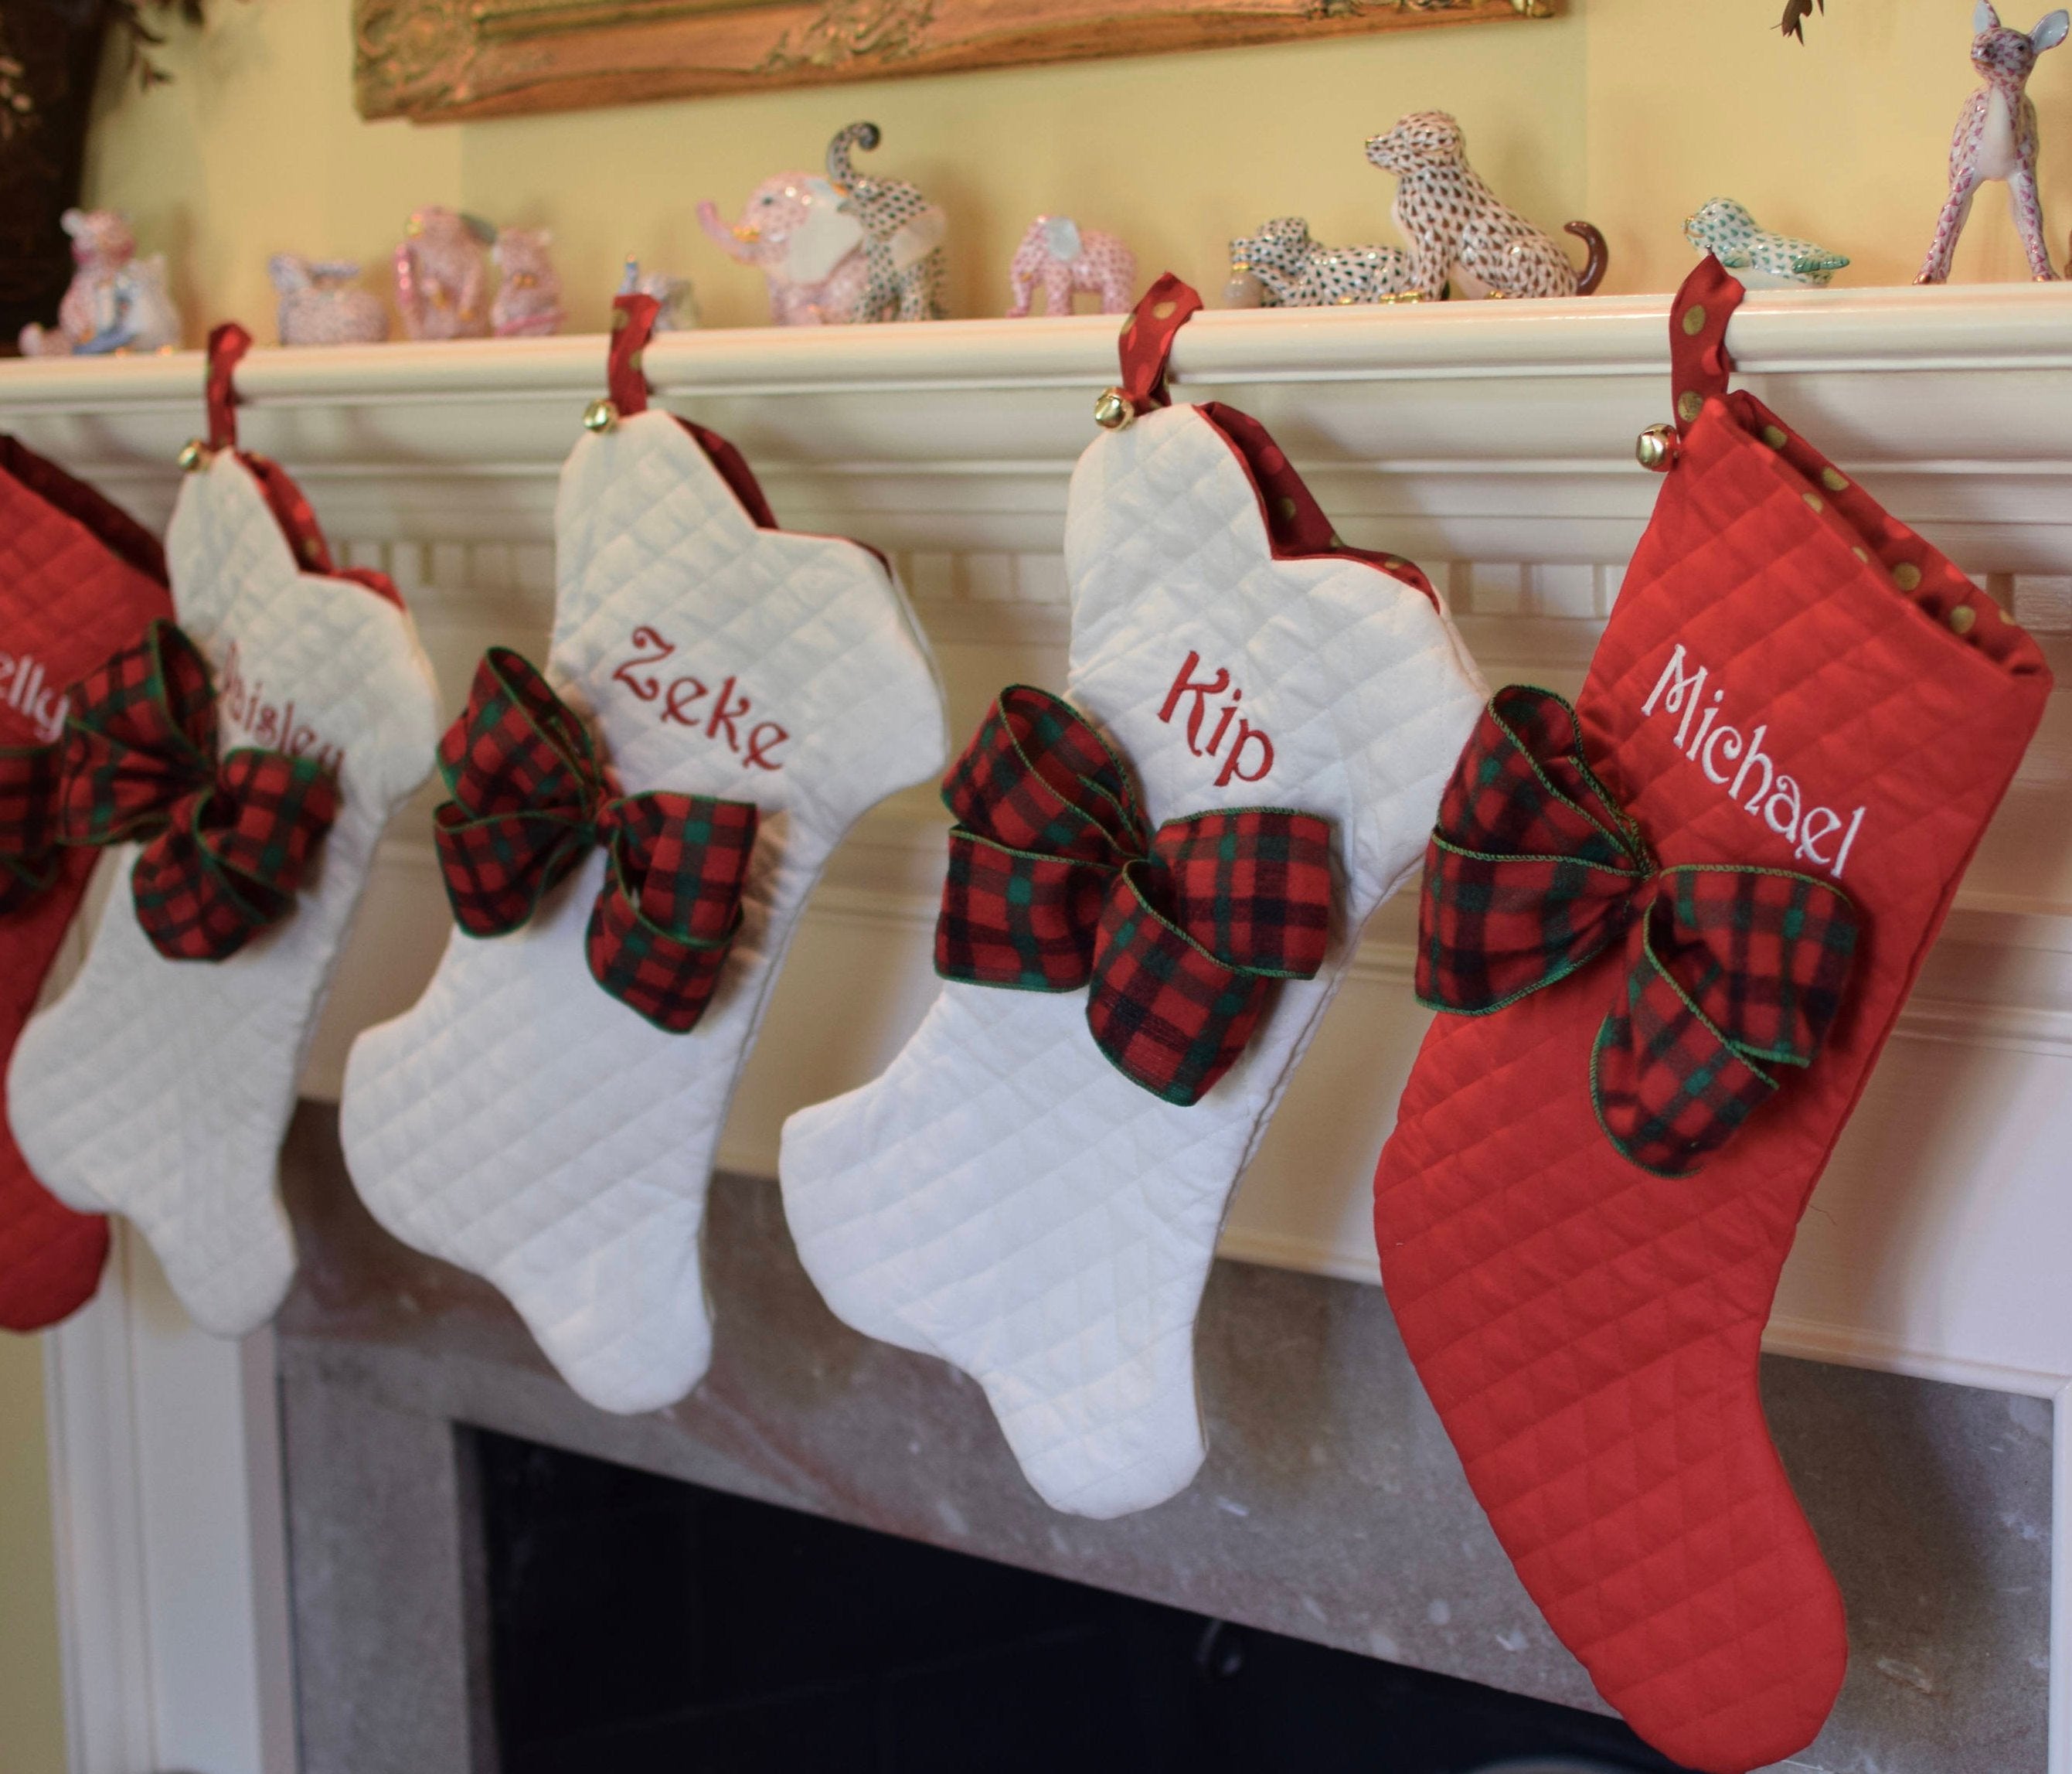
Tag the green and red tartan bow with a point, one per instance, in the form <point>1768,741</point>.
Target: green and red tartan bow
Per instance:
<point>1056,881</point>
<point>29,779</point>
<point>531,797</point>
<point>1533,869</point>
<point>229,838</point>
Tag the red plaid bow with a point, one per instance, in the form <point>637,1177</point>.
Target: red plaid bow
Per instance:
<point>230,837</point>
<point>1056,881</point>
<point>1533,869</point>
<point>531,797</point>
<point>29,779</point>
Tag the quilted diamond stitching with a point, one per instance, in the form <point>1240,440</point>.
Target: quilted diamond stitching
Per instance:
<point>519,1122</point>
<point>161,1089</point>
<point>1588,1333</point>
<point>1001,1196</point>
<point>66,602</point>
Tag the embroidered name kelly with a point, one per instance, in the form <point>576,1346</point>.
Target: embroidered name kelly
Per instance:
<point>1250,753</point>
<point>26,687</point>
<point>271,727</point>
<point>681,701</point>
<point>1753,778</point>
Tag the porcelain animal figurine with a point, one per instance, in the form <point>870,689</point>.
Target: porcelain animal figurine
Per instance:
<point>1292,270</point>
<point>677,309</point>
<point>321,305</point>
<point>1997,139</point>
<point>442,274</point>
<point>809,249</point>
<point>1760,259</point>
<point>1061,258</point>
<point>903,236</point>
<point>528,289</point>
<point>1459,229</point>
<point>116,301</point>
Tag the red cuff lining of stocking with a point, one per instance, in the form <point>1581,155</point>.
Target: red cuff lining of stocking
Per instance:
<point>1296,525</point>
<point>1914,568</point>
<point>305,539</point>
<point>227,345</point>
<point>113,527</point>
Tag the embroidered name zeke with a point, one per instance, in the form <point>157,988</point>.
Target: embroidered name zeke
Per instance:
<point>1716,747</point>
<point>725,717</point>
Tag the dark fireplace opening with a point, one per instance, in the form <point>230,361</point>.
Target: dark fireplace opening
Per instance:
<point>637,1624</point>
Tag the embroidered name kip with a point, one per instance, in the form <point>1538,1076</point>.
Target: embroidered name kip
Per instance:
<point>1731,760</point>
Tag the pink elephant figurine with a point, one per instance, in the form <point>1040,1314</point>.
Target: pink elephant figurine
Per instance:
<point>529,297</point>
<point>442,274</point>
<point>809,251</point>
<point>1065,258</point>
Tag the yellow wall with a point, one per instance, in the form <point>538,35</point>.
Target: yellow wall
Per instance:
<point>32,1709</point>
<point>1630,112</point>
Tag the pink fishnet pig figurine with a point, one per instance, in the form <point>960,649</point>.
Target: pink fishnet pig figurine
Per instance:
<point>442,274</point>
<point>528,298</point>
<point>1997,139</point>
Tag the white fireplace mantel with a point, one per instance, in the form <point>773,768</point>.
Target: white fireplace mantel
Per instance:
<point>1492,441</point>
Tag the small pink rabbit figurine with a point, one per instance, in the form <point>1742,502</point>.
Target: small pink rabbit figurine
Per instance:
<point>1997,139</point>
<point>529,299</point>
<point>442,274</point>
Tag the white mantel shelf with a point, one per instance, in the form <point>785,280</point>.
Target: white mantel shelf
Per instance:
<point>1493,443</point>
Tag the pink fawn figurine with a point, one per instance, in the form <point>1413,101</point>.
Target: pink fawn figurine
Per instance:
<point>529,299</point>
<point>442,274</point>
<point>1064,258</point>
<point>1997,139</point>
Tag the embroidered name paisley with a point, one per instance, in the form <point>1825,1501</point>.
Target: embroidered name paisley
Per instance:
<point>271,727</point>
<point>724,715</point>
<point>26,688</point>
<point>1751,776</point>
<point>1250,753</point>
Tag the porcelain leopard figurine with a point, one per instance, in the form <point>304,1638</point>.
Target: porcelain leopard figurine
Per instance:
<point>1458,228</point>
<point>1295,271</point>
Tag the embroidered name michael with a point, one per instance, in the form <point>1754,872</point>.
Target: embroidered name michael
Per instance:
<point>1748,773</point>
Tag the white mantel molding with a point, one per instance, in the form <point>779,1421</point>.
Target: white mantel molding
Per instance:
<point>1492,441</point>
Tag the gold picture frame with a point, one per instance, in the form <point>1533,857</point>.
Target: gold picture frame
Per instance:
<point>449,59</point>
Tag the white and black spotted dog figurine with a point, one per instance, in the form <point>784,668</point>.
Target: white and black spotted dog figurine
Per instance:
<point>903,236</point>
<point>1294,271</point>
<point>1459,229</point>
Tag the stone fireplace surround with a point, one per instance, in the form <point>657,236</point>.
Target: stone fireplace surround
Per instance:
<point>221,1507</point>
<point>1331,1509</point>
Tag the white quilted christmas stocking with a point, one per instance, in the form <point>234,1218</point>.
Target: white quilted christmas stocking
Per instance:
<point>546,1115</point>
<point>256,750</point>
<point>1033,1190</point>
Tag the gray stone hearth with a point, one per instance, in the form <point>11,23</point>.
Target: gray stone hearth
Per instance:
<point>1332,1506</point>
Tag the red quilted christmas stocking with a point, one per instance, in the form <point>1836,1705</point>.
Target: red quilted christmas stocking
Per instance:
<point>79,578</point>
<point>1673,931</point>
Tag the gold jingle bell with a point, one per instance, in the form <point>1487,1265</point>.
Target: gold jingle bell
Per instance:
<point>600,416</point>
<point>1655,448</point>
<point>195,455</point>
<point>1112,409</point>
